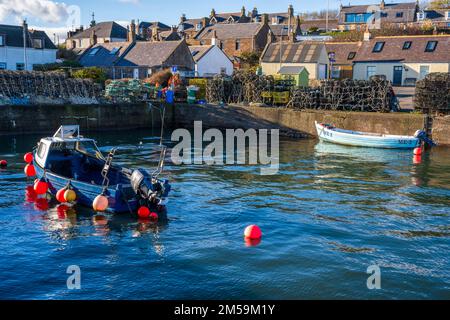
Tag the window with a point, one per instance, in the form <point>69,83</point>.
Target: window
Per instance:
<point>407,45</point>
<point>238,44</point>
<point>447,15</point>
<point>114,51</point>
<point>20,66</point>
<point>2,40</point>
<point>424,70</point>
<point>357,17</point>
<point>198,26</point>
<point>42,149</point>
<point>94,51</point>
<point>335,72</point>
<point>38,43</point>
<point>351,55</point>
<point>431,46</point>
<point>399,15</point>
<point>378,47</point>
<point>2,65</point>
<point>371,71</point>
<point>420,16</point>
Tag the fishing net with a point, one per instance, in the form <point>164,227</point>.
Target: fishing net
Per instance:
<point>433,94</point>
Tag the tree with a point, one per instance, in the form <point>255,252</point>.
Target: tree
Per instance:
<point>439,4</point>
<point>249,60</point>
<point>94,73</point>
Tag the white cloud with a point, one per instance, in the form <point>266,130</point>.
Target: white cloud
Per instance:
<point>60,32</point>
<point>44,10</point>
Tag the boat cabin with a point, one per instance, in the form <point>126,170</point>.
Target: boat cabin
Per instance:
<point>69,155</point>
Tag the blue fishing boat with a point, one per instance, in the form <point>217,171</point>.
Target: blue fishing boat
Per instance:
<point>332,134</point>
<point>69,159</point>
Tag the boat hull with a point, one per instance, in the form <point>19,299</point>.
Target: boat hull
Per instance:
<point>361,139</point>
<point>86,192</point>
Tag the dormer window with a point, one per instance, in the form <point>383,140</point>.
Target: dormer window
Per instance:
<point>378,47</point>
<point>431,46</point>
<point>2,40</point>
<point>407,45</point>
<point>38,43</point>
<point>420,16</point>
<point>198,26</point>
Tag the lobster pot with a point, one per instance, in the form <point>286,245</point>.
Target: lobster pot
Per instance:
<point>433,94</point>
<point>374,95</point>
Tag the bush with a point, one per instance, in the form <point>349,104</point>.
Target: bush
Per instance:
<point>56,66</point>
<point>94,73</point>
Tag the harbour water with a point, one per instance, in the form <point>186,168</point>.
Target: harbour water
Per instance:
<point>330,213</point>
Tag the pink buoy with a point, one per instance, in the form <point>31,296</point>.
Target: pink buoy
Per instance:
<point>418,151</point>
<point>253,232</point>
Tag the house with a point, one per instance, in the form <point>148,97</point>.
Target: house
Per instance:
<point>357,17</point>
<point>190,28</point>
<point>139,59</point>
<point>436,18</point>
<point>237,38</point>
<point>342,55</point>
<point>13,56</point>
<point>104,32</point>
<point>402,59</point>
<point>314,26</point>
<point>310,55</point>
<point>149,30</point>
<point>210,60</point>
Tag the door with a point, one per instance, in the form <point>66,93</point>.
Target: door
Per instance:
<point>397,79</point>
<point>136,73</point>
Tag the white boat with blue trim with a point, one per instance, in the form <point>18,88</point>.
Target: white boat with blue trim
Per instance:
<point>329,133</point>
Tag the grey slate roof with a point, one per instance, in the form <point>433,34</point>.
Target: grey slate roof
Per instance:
<point>108,29</point>
<point>230,31</point>
<point>14,37</point>
<point>291,70</point>
<point>160,25</point>
<point>298,52</point>
<point>199,51</point>
<point>103,57</point>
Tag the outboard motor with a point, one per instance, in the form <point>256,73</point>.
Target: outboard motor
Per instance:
<point>422,136</point>
<point>140,184</point>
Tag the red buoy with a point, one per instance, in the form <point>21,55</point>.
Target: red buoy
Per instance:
<point>154,216</point>
<point>41,204</point>
<point>252,232</point>
<point>3,163</point>
<point>60,195</point>
<point>30,194</point>
<point>144,212</point>
<point>29,170</point>
<point>28,157</point>
<point>418,151</point>
<point>41,187</point>
<point>417,159</point>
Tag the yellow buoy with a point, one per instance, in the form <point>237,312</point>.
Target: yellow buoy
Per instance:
<point>70,195</point>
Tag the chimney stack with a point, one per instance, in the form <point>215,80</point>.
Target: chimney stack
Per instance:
<point>205,22</point>
<point>254,12</point>
<point>132,32</point>
<point>243,11</point>
<point>214,38</point>
<point>213,13</point>
<point>382,4</point>
<point>265,18</point>
<point>367,34</point>
<point>291,11</point>
<point>93,38</point>
<point>183,18</point>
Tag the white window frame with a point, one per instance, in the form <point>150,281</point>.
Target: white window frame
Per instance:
<point>371,73</point>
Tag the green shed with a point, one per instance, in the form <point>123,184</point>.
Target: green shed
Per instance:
<point>299,74</point>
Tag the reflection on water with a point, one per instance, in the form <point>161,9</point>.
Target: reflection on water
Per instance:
<point>330,213</point>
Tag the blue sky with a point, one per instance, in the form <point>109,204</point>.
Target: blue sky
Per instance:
<point>52,15</point>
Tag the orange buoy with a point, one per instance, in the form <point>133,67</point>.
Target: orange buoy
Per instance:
<point>70,195</point>
<point>60,195</point>
<point>29,170</point>
<point>28,157</point>
<point>100,203</point>
<point>252,232</point>
<point>154,216</point>
<point>41,187</point>
<point>418,151</point>
<point>3,163</point>
<point>144,212</point>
